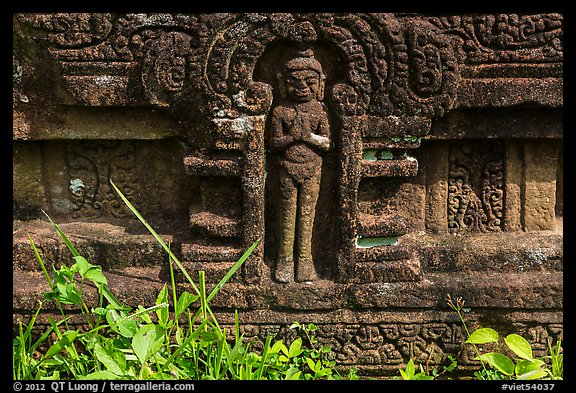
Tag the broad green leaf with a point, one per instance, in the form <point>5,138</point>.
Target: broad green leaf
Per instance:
<point>519,345</point>
<point>96,276</point>
<point>498,361</point>
<point>67,294</point>
<point>143,314</point>
<point>311,364</point>
<point>59,277</point>
<point>66,340</point>
<point>107,360</point>
<point>279,346</point>
<point>89,271</point>
<point>483,336</point>
<point>295,348</point>
<point>292,373</point>
<point>85,269</point>
<point>126,327</point>
<point>410,369</point>
<point>528,366</point>
<point>184,301</point>
<point>536,374</point>
<point>147,341</point>
<point>421,376</point>
<point>323,372</point>
<point>120,359</point>
<point>404,375</point>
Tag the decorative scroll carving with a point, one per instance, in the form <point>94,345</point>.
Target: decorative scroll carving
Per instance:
<point>91,166</point>
<point>72,30</point>
<point>399,65</point>
<point>395,343</point>
<point>165,67</point>
<point>507,37</point>
<point>391,68</point>
<point>476,187</point>
<point>432,73</point>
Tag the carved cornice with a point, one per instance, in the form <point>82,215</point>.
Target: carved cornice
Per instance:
<point>401,65</point>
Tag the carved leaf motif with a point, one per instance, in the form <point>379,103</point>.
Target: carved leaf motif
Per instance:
<point>476,188</point>
<point>72,30</point>
<point>507,37</point>
<point>91,165</point>
<point>165,67</point>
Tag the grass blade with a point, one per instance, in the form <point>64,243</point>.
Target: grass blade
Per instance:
<point>232,270</point>
<point>264,356</point>
<point>189,339</point>
<point>63,236</point>
<point>156,236</point>
<point>46,275</point>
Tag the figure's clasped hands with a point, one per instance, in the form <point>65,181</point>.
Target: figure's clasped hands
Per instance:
<point>318,140</point>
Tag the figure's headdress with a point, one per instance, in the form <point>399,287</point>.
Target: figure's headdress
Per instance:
<point>304,60</point>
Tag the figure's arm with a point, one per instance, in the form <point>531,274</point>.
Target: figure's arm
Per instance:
<point>278,140</point>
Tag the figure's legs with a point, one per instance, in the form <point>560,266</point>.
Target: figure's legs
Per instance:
<point>288,207</point>
<point>307,200</point>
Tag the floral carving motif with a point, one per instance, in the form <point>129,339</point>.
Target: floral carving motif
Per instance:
<point>165,67</point>
<point>72,30</point>
<point>390,67</point>
<point>476,187</point>
<point>507,37</point>
<point>91,166</point>
<point>395,343</point>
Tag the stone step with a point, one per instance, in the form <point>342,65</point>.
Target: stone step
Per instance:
<point>215,225</point>
<point>384,253</point>
<point>406,167</point>
<point>212,166</point>
<point>522,291</point>
<point>388,271</point>
<point>211,253</point>
<point>370,225</point>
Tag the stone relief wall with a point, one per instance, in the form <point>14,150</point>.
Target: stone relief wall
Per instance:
<point>361,150</point>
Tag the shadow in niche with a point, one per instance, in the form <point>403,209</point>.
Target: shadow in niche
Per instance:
<point>324,235</point>
<point>148,172</point>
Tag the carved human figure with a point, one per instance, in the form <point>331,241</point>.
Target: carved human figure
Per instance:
<point>299,134</point>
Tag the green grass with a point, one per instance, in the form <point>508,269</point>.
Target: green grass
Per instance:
<point>178,337</point>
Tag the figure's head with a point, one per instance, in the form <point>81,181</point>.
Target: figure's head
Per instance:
<point>303,77</point>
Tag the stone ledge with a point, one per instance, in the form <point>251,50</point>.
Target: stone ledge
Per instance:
<point>520,291</point>
<point>505,252</point>
<point>111,246</point>
<point>506,92</point>
<point>116,247</point>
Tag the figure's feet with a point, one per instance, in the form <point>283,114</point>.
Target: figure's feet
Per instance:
<point>284,272</point>
<point>306,270</point>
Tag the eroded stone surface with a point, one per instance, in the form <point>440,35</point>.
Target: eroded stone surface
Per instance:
<point>436,167</point>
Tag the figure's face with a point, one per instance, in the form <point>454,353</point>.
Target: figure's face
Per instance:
<point>302,85</point>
